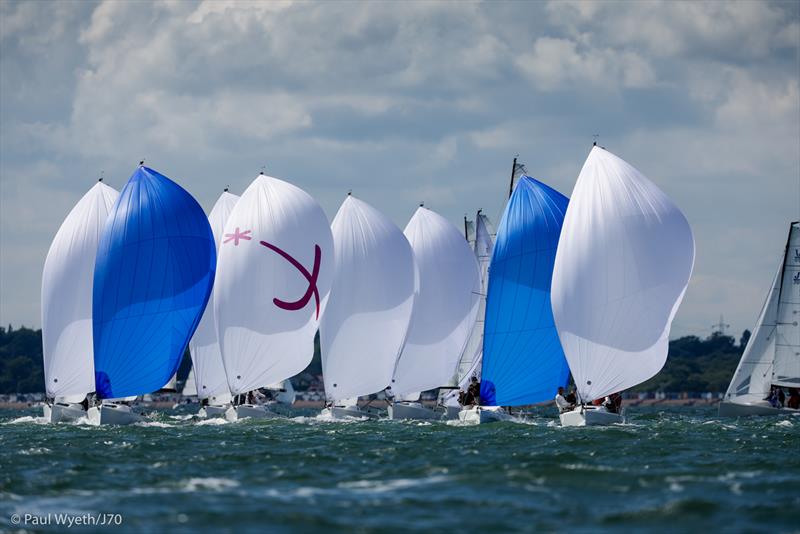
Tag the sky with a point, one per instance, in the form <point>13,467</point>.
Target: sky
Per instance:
<point>405,103</point>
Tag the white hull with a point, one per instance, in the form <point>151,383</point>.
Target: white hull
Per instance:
<point>61,412</point>
<point>590,416</point>
<point>112,414</point>
<point>733,409</point>
<point>343,412</point>
<point>412,410</point>
<point>451,412</point>
<point>483,414</point>
<point>249,411</point>
<point>208,412</point>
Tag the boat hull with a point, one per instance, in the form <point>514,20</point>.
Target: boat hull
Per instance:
<point>412,410</point>
<point>249,411</point>
<point>209,412</point>
<point>63,412</point>
<point>342,412</point>
<point>590,416</point>
<point>483,415</point>
<point>734,409</point>
<point>451,412</point>
<point>112,414</point>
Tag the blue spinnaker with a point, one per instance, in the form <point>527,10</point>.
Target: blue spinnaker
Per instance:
<point>523,362</point>
<point>152,279</point>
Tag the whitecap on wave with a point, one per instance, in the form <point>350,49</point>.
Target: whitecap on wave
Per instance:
<point>213,421</point>
<point>27,419</point>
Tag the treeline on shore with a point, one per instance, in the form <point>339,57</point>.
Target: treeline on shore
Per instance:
<point>694,364</point>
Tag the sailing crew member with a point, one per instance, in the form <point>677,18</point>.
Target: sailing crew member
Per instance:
<point>794,399</point>
<point>562,403</point>
<point>572,397</point>
<point>473,396</point>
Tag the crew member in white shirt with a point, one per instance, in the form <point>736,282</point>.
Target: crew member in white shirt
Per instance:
<point>562,403</point>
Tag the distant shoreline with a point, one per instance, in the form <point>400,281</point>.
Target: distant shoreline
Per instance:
<point>304,404</point>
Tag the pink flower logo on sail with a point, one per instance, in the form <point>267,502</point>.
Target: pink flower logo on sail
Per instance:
<point>310,277</point>
<point>236,236</point>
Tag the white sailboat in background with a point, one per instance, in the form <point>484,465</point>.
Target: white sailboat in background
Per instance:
<point>283,392</point>
<point>190,385</point>
<point>772,355</point>
<point>623,264</point>
<point>207,366</point>
<point>274,275</point>
<point>67,280</point>
<point>469,364</point>
<point>444,313</point>
<point>367,318</point>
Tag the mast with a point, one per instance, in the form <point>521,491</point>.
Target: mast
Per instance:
<point>466,231</point>
<point>513,171</point>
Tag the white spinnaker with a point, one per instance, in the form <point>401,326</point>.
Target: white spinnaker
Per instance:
<point>752,380</point>
<point>786,370</point>
<point>369,312</point>
<point>445,308</point>
<point>204,346</point>
<point>623,264</point>
<point>470,363</point>
<point>267,303</point>
<point>190,386</point>
<point>67,280</point>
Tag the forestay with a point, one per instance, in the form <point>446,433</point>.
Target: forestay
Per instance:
<point>67,282</point>
<point>275,266</point>
<point>365,325</point>
<point>522,359</point>
<point>445,308</point>
<point>624,261</point>
<point>204,346</point>
<point>152,279</point>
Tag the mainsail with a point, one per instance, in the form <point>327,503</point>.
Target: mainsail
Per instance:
<point>445,308</point>
<point>786,370</point>
<point>67,282</point>
<point>152,279</point>
<point>204,346</point>
<point>522,358</point>
<point>623,264</point>
<point>369,312</point>
<point>772,352</point>
<point>275,266</point>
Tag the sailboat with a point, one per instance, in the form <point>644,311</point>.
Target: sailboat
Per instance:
<point>283,392</point>
<point>212,383</point>
<point>152,279</point>
<point>275,267</point>
<point>444,313</point>
<point>772,355</point>
<point>67,281</point>
<point>522,358</point>
<point>367,319</point>
<point>469,364</point>
<point>623,264</point>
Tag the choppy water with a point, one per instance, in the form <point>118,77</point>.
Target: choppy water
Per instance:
<point>679,469</point>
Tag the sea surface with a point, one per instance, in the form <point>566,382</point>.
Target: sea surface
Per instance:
<point>665,470</point>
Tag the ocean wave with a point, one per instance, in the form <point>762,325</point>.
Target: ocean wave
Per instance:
<point>213,421</point>
<point>208,483</point>
<point>153,424</point>
<point>27,419</point>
